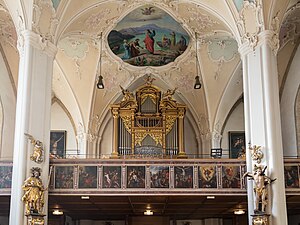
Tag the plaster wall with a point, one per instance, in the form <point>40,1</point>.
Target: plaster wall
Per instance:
<point>60,121</point>
<point>287,108</point>
<point>190,141</point>
<point>235,122</point>
<point>8,99</point>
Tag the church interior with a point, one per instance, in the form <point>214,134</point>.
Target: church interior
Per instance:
<point>143,112</point>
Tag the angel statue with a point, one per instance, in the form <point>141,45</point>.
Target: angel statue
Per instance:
<point>38,150</point>
<point>168,95</point>
<point>127,94</point>
<point>34,192</point>
<point>260,187</point>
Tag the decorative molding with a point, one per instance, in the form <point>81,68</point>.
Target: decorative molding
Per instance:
<point>8,33</point>
<point>41,23</point>
<point>251,22</point>
<point>99,21</point>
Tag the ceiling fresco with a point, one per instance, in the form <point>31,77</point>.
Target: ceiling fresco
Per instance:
<point>148,36</point>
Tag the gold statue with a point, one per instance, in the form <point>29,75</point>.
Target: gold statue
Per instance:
<point>260,187</point>
<point>169,94</point>
<point>38,150</point>
<point>127,94</point>
<point>34,192</point>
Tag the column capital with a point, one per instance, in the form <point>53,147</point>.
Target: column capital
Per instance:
<point>37,41</point>
<point>268,37</point>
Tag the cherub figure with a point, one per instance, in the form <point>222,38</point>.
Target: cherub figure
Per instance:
<point>256,153</point>
<point>169,94</point>
<point>34,192</point>
<point>38,150</point>
<point>260,187</point>
<point>127,94</point>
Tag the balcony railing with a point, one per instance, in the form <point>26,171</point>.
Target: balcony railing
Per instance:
<point>137,176</point>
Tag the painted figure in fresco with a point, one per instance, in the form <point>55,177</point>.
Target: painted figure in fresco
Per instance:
<point>34,192</point>
<point>135,48</point>
<point>149,40</point>
<point>126,46</point>
<point>260,187</point>
<point>173,39</point>
<point>182,43</point>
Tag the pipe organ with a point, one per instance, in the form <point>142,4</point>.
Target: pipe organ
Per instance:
<point>149,123</point>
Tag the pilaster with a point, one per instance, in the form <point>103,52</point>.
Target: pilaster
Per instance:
<point>32,115</point>
<point>262,117</point>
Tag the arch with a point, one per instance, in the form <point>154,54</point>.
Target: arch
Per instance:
<point>297,118</point>
<point>287,108</point>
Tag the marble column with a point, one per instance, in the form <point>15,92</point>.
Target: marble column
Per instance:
<point>262,119</point>
<point>32,115</point>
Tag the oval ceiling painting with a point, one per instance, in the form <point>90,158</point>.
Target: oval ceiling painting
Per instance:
<point>148,36</point>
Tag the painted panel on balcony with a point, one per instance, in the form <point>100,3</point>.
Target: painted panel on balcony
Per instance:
<point>111,177</point>
<point>135,177</point>
<point>231,176</point>
<point>183,176</point>
<point>159,176</point>
<point>291,175</point>
<point>207,177</point>
<point>5,176</point>
<point>64,177</point>
<point>87,177</point>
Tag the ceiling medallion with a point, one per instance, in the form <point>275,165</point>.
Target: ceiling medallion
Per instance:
<point>148,36</point>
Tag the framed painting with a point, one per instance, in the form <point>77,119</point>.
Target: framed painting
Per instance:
<point>207,177</point>
<point>111,177</point>
<point>135,177</point>
<point>159,176</point>
<point>58,144</point>
<point>183,176</point>
<point>236,144</point>
<point>231,177</point>
<point>291,176</point>
<point>148,36</point>
<point>87,177</point>
<point>64,177</point>
<point>5,176</point>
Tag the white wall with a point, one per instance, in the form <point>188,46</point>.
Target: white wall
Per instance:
<point>60,121</point>
<point>107,139</point>
<point>235,122</point>
<point>8,100</point>
<point>190,141</point>
<point>287,107</point>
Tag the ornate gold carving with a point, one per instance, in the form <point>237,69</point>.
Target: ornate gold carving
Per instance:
<point>260,220</point>
<point>127,95</point>
<point>170,120</point>
<point>256,153</point>
<point>127,122</point>
<point>144,97</point>
<point>38,150</point>
<point>34,192</point>
<point>35,221</point>
<point>139,137</point>
<point>157,137</point>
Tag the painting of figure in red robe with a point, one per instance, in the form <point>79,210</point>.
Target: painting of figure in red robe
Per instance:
<point>148,36</point>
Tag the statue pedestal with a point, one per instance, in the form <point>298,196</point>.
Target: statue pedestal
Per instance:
<point>35,219</point>
<point>260,219</point>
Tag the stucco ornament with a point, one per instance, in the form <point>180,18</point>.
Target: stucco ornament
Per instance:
<point>290,28</point>
<point>8,33</point>
<point>250,22</point>
<point>44,20</point>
